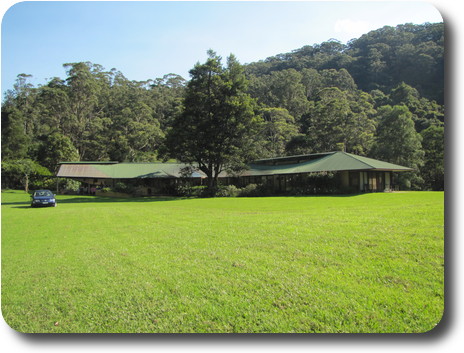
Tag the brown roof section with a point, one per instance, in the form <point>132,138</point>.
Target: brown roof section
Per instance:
<point>80,170</point>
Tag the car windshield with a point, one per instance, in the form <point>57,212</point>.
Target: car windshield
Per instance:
<point>43,193</point>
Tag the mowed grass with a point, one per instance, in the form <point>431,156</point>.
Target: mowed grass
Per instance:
<point>362,263</point>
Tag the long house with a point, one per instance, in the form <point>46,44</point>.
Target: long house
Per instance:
<point>313,173</point>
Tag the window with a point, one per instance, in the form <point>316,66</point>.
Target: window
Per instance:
<point>354,179</point>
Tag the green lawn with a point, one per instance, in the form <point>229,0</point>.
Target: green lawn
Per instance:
<point>363,263</point>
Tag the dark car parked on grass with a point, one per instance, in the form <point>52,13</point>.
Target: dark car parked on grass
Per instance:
<point>43,198</point>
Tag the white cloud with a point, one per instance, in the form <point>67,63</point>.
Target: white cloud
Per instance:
<point>351,28</point>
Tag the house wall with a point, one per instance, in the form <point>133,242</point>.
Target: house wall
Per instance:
<point>376,181</point>
<point>345,179</point>
<point>387,181</point>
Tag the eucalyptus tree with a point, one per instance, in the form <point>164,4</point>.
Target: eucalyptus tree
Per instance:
<point>166,95</point>
<point>88,88</point>
<point>277,129</point>
<point>433,170</point>
<point>425,112</point>
<point>19,118</point>
<point>337,120</point>
<point>398,142</point>
<point>282,89</point>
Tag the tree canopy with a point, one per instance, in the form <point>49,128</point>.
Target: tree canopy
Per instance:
<point>215,129</point>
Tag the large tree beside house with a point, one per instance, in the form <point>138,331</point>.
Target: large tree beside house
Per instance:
<point>216,129</point>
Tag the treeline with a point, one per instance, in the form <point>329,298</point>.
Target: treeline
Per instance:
<point>380,96</point>
<point>378,60</point>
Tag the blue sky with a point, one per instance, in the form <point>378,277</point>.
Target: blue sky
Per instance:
<point>145,40</point>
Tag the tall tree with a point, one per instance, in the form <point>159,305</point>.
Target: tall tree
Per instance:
<point>398,142</point>
<point>361,124</point>
<point>56,148</point>
<point>19,119</point>
<point>86,85</point>
<point>282,89</point>
<point>15,141</point>
<point>166,98</point>
<point>433,170</point>
<point>425,112</point>
<point>339,118</point>
<point>327,122</point>
<point>215,130</point>
<point>277,129</point>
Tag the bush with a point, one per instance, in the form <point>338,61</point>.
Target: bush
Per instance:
<point>249,190</point>
<point>227,191</point>
<point>71,185</point>
<point>125,188</point>
<point>183,190</point>
<point>188,190</point>
<point>199,191</point>
<point>45,183</point>
<point>120,187</point>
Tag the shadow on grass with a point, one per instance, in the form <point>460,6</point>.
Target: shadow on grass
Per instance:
<point>75,199</point>
<point>84,199</point>
<point>98,199</point>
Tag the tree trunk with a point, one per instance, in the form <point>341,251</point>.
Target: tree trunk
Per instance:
<point>26,184</point>
<point>211,184</point>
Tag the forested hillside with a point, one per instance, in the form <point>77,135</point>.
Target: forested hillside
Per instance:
<point>380,95</point>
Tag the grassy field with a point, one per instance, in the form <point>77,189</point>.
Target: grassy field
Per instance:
<point>363,263</point>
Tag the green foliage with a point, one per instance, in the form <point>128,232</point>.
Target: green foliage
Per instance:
<point>398,142</point>
<point>102,114</point>
<point>433,170</point>
<point>215,130</point>
<point>124,187</point>
<point>69,185</point>
<point>283,89</point>
<point>340,118</point>
<point>22,172</point>
<point>249,190</point>
<point>378,60</point>
<point>371,263</point>
<point>277,128</point>
<point>227,191</point>
<point>56,148</point>
<point>406,53</point>
<point>15,141</point>
<point>188,190</point>
<point>425,113</point>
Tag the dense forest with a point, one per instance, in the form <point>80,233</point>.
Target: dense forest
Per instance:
<point>381,96</point>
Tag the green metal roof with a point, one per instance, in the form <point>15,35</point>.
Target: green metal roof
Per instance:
<point>325,162</point>
<point>378,165</point>
<point>123,170</point>
<point>312,163</point>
